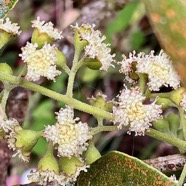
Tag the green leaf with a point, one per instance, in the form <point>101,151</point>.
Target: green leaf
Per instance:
<point>122,19</point>
<point>87,75</point>
<point>6,6</point>
<point>43,115</point>
<point>137,40</point>
<point>117,169</point>
<point>41,147</point>
<point>168,19</point>
<point>59,85</point>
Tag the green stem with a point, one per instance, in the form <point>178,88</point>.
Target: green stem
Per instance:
<point>67,100</point>
<point>23,71</point>
<point>5,94</point>
<point>70,83</point>
<point>9,78</point>
<point>103,128</point>
<point>147,93</point>
<point>167,138</point>
<point>73,73</point>
<point>50,149</point>
<point>142,82</point>
<point>100,121</point>
<point>56,96</point>
<point>182,177</point>
<point>66,69</point>
<point>160,95</point>
<point>4,101</point>
<point>182,121</point>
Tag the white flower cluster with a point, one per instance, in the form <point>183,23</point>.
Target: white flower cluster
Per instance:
<point>40,62</point>
<point>70,137</point>
<point>133,113</point>
<point>95,48</point>
<point>158,67</point>
<point>9,27</point>
<point>47,28</point>
<point>46,177</point>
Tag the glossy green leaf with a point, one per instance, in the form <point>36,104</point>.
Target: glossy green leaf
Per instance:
<point>5,6</point>
<point>117,169</point>
<point>168,19</point>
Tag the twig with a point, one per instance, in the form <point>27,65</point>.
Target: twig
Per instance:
<point>168,163</point>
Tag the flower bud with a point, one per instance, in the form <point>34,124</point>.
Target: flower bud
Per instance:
<point>166,103</point>
<point>92,154</point>
<point>177,95</point>
<point>48,162</point>
<point>79,43</point>
<point>70,165</point>
<point>100,102</point>
<point>26,140</point>
<point>4,38</point>
<point>40,38</point>
<point>47,172</point>
<point>180,134</point>
<point>44,32</point>
<point>61,59</point>
<point>7,30</point>
<point>174,123</point>
<point>19,140</point>
<point>5,68</point>
<point>162,125</point>
<point>93,64</point>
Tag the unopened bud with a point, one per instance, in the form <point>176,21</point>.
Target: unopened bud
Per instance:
<point>70,165</point>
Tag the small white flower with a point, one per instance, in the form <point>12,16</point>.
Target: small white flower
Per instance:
<point>70,137</point>
<point>11,127</point>
<point>9,27</point>
<point>8,125</point>
<point>40,62</point>
<point>158,67</point>
<point>126,65</point>
<point>132,113</point>
<point>96,49</point>
<point>46,177</point>
<point>47,28</point>
<point>173,178</point>
<point>73,178</point>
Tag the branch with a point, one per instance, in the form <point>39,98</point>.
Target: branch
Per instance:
<point>168,163</point>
